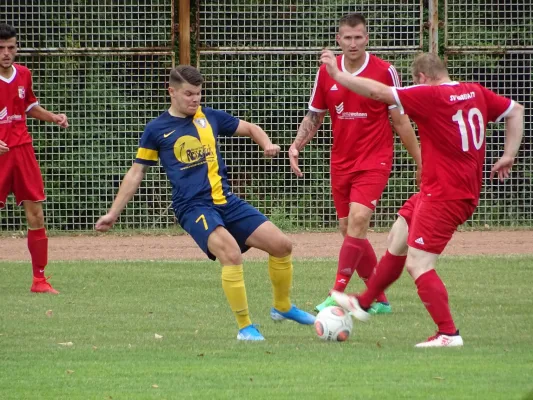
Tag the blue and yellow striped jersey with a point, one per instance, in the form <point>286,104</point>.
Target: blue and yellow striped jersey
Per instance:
<point>189,153</point>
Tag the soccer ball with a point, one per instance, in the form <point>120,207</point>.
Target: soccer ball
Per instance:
<point>334,323</point>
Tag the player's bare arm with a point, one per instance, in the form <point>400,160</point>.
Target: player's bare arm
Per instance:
<point>41,114</point>
<point>362,86</point>
<point>259,136</point>
<point>514,124</point>
<point>307,131</point>
<point>404,129</point>
<point>127,190</point>
<point>3,148</point>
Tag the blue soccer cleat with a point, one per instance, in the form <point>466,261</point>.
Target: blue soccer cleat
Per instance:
<point>294,314</point>
<point>249,332</point>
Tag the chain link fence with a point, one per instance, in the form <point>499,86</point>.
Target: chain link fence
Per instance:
<point>106,64</point>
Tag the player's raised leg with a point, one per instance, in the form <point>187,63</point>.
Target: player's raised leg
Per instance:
<point>269,238</point>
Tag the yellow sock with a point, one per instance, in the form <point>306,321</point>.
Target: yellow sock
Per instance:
<point>233,285</point>
<point>280,271</point>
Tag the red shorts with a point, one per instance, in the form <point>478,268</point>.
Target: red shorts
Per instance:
<point>20,174</point>
<point>363,187</point>
<point>408,208</point>
<point>433,223</point>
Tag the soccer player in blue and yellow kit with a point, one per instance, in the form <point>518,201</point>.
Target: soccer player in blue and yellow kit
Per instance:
<point>184,138</point>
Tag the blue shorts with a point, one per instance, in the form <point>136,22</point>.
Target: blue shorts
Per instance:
<point>237,216</point>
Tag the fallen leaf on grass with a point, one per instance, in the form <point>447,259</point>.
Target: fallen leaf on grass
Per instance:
<point>155,386</point>
<point>95,348</point>
<point>69,371</point>
<point>66,344</point>
<point>378,344</point>
<point>158,336</point>
<point>49,313</point>
<point>439,378</point>
<point>268,352</point>
<point>201,355</point>
<point>251,379</point>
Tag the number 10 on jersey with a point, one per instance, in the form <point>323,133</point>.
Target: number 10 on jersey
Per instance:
<point>478,132</point>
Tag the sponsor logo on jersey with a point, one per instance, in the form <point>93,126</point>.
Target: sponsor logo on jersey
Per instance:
<point>348,114</point>
<point>3,113</point>
<point>165,135</point>
<point>420,241</point>
<point>464,96</point>
<point>334,87</point>
<point>22,92</point>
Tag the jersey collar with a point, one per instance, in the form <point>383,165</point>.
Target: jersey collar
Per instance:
<point>367,58</point>
<point>10,79</point>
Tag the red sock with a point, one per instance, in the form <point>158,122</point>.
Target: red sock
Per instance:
<point>389,269</point>
<point>433,294</point>
<point>38,247</point>
<point>349,257</point>
<point>366,267</point>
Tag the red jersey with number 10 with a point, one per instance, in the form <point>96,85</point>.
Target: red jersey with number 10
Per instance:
<point>452,119</point>
<point>362,134</point>
<point>16,99</point>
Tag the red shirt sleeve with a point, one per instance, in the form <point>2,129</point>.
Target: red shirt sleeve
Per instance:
<point>415,101</point>
<point>318,99</point>
<point>497,106</point>
<point>29,99</point>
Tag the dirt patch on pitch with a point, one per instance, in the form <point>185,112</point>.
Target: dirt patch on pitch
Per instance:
<point>306,245</point>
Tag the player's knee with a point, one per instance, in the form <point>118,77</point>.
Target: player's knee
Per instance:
<point>358,221</point>
<point>35,218</point>
<point>283,247</point>
<point>231,257</point>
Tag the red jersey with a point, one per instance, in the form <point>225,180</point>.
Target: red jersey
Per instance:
<point>451,120</point>
<point>362,133</point>
<point>16,99</point>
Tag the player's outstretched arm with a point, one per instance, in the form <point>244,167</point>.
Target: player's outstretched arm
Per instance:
<point>363,86</point>
<point>514,130</point>
<point>407,135</point>
<point>307,131</point>
<point>259,136</point>
<point>41,114</point>
<point>128,187</point>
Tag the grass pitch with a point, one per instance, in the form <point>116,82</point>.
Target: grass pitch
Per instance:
<point>97,339</point>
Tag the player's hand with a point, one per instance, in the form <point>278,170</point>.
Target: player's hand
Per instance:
<point>293,158</point>
<point>271,150</point>
<point>105,222</point>
<point>61,120</point>
<point>502,167</point>
<point>3,148</point>
<point>328,58</point>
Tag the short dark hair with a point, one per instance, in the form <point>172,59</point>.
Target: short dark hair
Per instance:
<point>7,32</point>
<point>185,73</point>
<point>352,20</point>
<point>430,65</point>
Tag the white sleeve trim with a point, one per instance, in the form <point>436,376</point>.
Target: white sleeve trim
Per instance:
<point>398,102</point>
<point>394,75</point>
<point>31,106</point>
<point>314,90</point>
<point>316,109</point>
<point>506,112</point>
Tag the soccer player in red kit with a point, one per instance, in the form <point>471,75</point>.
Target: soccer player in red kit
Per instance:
<point>362,152</point>
<point>19,171</point>
<point>451,118</point>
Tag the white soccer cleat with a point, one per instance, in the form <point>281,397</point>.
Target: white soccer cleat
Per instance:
<point>442,340</point>
<point>351,304</point>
